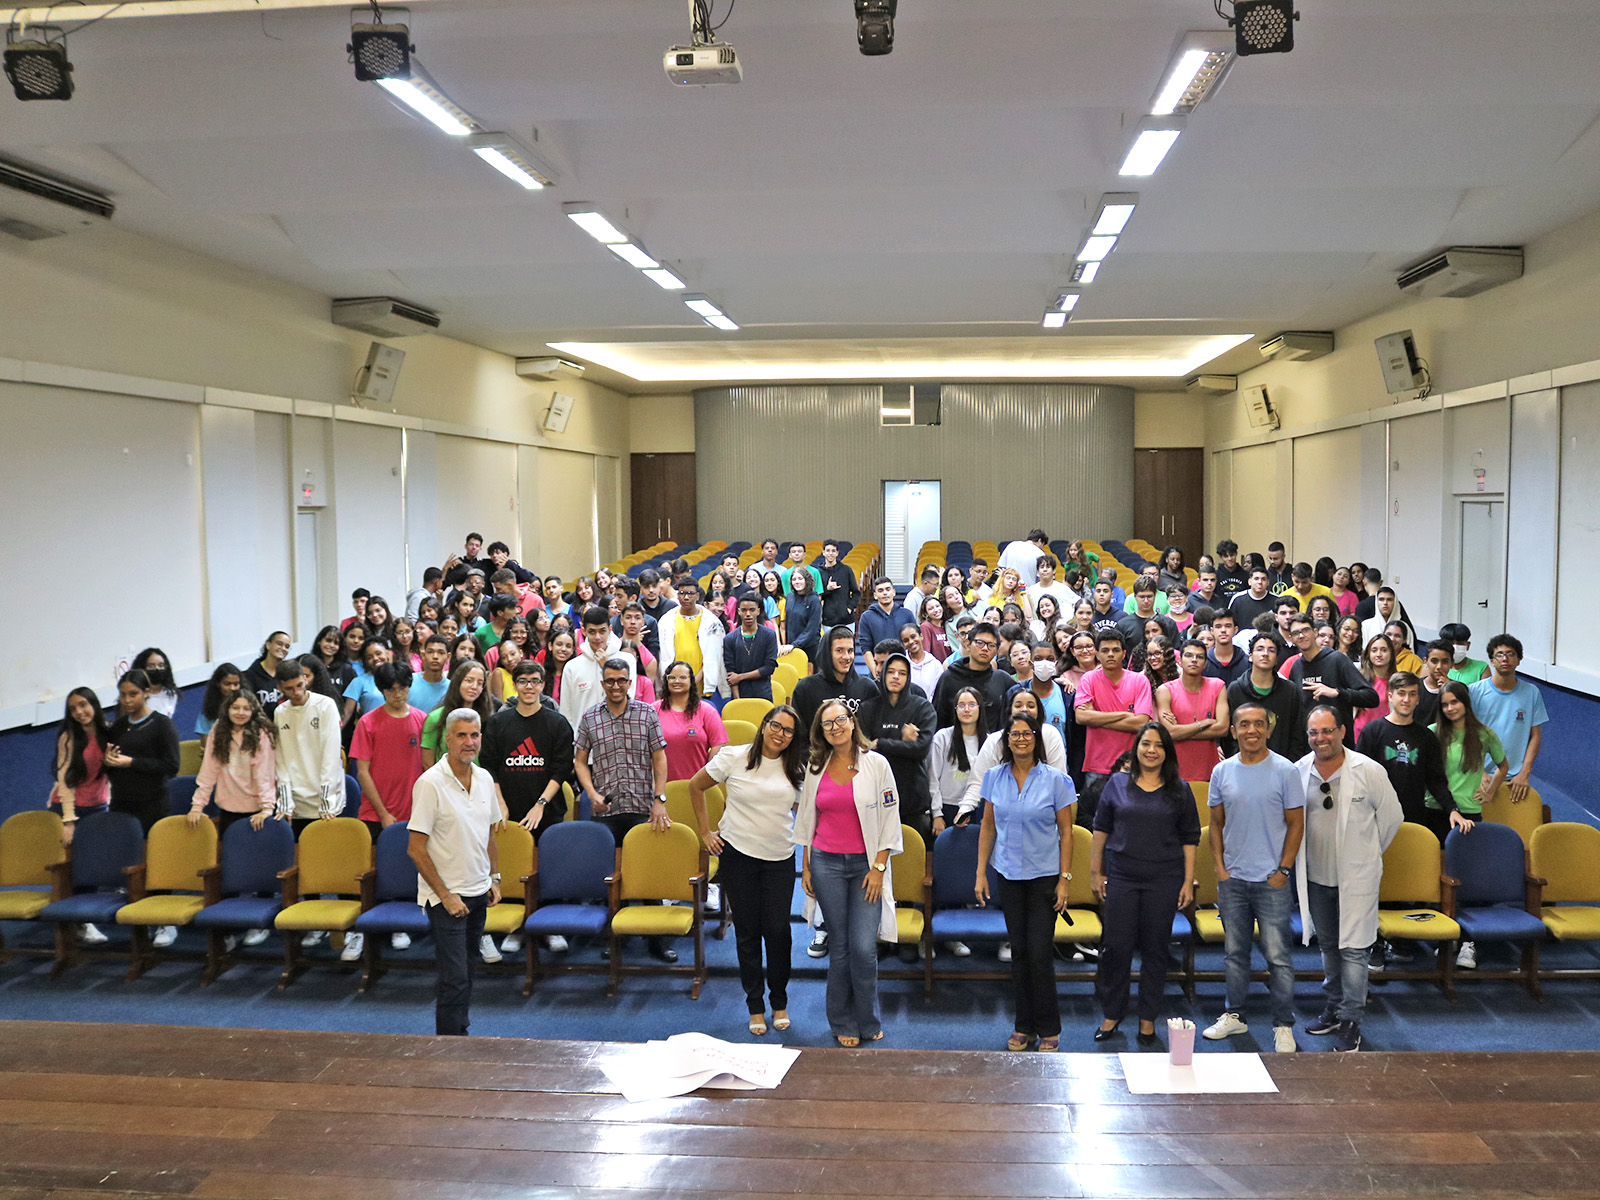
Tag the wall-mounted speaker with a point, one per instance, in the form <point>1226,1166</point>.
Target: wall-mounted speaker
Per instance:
<point>555,419</point>
<point>376,380</point>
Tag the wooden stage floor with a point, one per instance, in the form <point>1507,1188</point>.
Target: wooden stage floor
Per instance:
<point>138,1110</point>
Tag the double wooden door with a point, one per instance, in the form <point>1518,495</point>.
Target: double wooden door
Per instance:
<point>664,506</point>
<point>1169,501</point>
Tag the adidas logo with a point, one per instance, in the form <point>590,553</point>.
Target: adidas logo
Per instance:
<point>527,755</point>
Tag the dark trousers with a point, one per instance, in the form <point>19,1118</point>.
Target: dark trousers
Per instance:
<point>760,894</point>
<point>225,820</point>
<point>1029,907</point>
<point>922,822</point>
<point>147,811</point>
<point>1140,901</point>
<point>454,940</point>
<point>1435,820</point>
<point>620,823</point>
<point>1089,798</point>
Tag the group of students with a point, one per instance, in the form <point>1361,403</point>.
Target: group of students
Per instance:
<point>1110,708</point>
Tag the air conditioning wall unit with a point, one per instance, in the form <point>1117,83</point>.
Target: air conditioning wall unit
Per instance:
<point>1461,271</point>
<point>1211,385</point>
<point>35,205</point>
<point>1258,407</point>
<point>384,316</point>
<point>548,368</point>
<point>1297,346</point>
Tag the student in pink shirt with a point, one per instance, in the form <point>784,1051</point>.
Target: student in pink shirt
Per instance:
<point>1113,705</point>
<point>239,768</point>
<point>1194,708</point>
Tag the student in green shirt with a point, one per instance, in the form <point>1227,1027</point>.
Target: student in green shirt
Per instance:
<point>468,689</point>
<point>1465,740</point>
<point>1466,668</point>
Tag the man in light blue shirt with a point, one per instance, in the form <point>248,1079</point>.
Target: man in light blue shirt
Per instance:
<point>1257,804</point>
<point>1514,709</point>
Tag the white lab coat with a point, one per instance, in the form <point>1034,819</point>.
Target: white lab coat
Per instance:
<point>878,806</point>
<point>1369,816</point>
<point>1055,755</point>
<point>710,636</point>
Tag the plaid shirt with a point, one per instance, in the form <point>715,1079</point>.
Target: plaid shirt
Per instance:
<point>620,751</point>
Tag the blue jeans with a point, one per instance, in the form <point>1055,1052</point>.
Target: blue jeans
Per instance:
<point>454,940</point>
<point>1241,904</point>
<point>1344,968</point>
<point>853,929</point>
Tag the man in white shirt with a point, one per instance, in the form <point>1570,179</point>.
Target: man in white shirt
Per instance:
<point>1046,584</point>
<point>453,815</point>
<point>310,775</point>
<point>1023,557</point>
<point>926,586</point>
<point>580,678</point>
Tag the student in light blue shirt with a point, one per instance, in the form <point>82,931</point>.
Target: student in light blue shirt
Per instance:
<point>1027,831</point>
<point>1514,709</point>
<point>362,694</point>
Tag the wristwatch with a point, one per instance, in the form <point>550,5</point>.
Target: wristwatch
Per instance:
<point>878,866</point>
<point>1066,874</point>
<point>495,878</point>
<point>1284,871</point>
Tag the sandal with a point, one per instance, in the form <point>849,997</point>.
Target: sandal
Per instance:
<point>1020,1041</point>
<point>877,1037</point>
<point>848,1042</point>
<point>758,1023</point>
<point>780,1019</point>
<point>1049,1045</point>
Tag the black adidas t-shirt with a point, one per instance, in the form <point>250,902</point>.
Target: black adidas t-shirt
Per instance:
<point>524,754</point>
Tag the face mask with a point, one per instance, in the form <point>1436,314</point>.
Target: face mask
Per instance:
<point>1460,653</point>
<point>1044,669</point>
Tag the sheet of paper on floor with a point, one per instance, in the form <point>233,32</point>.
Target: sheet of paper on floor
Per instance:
<point>1154,1074</point>
<point>687,1061</point>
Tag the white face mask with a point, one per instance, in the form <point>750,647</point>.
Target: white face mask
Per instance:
<point>1460,653</point>
<point>1044,669</point>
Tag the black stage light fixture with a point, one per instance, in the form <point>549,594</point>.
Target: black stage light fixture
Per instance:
<point>36,63</point>
<point>380,51</point>
<point>1264,26</point>
<point>875,25</point>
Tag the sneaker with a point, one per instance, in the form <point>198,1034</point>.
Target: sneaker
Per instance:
<point>1226,1026</point>
<point>556,944</point>
<point>164,936</point>
<point>1004,953</point>
<point>254,937</point>
<point>353,943</point>
<point>486,948</point>
<point>230,943</point>
<point>908,952</point>
<point>713,898</point>
<point>1467,958</point>
<point>400,941</point>
<point>819,945</point>
<point>1400,952</point>
<point>511,943</point>
<point>958,949</point>
<point>1083,953</point>
<point>1348,1037</point>
<point>89,935</point>
<point>1283,1039</point>
<point>314,938</point>
<point>1326,1023</point>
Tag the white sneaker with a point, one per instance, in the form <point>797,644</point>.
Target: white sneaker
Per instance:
<point>352,947</point>
<point>164,936</point>
<point>1005,952</point>
<point>255,937</point>
<point>91,936</point>
<point>713,898</point>
<point>1224,1026</point>
<point>314,938</point>
<point>1283,1040</point>
<point>819,944</point>
<point>959,949</point>
<point>487,949</point>
<point>1467,959</point>
<point>400,941</point>
<point>230,942</point>
<point>511,943</point>
<point>556,944</point>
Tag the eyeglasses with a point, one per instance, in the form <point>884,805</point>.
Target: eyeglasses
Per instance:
<point>836,722</point>
<point>614,683</point>
<point>1327,799</point>
<point>1020,734</point>
<point>781,730</point>
<point>985,643</point>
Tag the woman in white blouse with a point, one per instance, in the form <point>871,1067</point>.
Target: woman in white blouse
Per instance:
<point>755,839</point>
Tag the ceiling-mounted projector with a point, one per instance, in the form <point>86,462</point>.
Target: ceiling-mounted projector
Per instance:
<point>548,368</point>
<point>1301,346</point>
<point>699,66</point>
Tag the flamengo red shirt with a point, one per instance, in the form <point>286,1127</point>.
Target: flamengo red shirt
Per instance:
<point>1102,747</point>
<point>392,750</point>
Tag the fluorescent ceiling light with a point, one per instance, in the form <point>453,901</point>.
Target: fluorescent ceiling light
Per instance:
<point>1096,248</point>
<point>1085,272</point>
<point>665,279</point>
<point>1193,73</point>
<point>634,255</point>
<point>593,222</point>
<point>512,160</point>
<point>502,162</point>
<point>1067,301</point>
<point>702,306</point>
<point>1087,356</point>
<point>1156,137</point>
<point>431,104</point>
<point>1115,209</point>
<point>722,322</point>
<point>1054,319</point>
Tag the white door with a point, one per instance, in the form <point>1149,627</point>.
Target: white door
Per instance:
<point>1481,597</point>
<point>307,576</point>
<point>910,518</point>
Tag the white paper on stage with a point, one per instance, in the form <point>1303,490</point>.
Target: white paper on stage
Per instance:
<point>687,1061</point>
<point>1154,1074</point>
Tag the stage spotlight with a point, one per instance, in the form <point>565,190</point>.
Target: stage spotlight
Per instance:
<point>36,63</point>
<point>380,51</point>
<point>1264,26</point>
<point>875,25</point>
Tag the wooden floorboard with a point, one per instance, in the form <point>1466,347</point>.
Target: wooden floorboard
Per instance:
<point>152,1112</point>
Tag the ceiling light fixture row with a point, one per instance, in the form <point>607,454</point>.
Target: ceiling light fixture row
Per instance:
<point>621,243</point>
<point>1110,219</point>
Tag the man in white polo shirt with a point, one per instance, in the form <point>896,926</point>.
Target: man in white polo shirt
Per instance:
<point>453,814</point>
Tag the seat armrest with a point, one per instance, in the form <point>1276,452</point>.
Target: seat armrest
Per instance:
<point>290,879</point>
<point>61,878</point>
<point>368,880</point>
<point>136,877</point>
<point>1447,894</point>
<point>211,884</point>
<point>1533,893</point>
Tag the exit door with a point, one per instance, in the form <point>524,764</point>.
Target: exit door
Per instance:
<point>910,518</point>
<point>1169,500</point>
<point>1481,594</point>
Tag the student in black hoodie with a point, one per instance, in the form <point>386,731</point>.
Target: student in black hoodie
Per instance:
<point>141,752</point>
<point>838,590</point>
<point>899,719</point>
<point>836,677</point>
<point>975,670</point>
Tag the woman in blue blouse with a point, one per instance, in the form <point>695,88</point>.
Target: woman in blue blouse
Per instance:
<point>1028,808</point>
<point>1142,869</point>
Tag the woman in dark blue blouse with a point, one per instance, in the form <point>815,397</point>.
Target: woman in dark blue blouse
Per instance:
<point>1146,829</point>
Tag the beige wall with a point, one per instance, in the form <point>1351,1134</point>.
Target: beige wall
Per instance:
<point>661,424</point>
<point>1168,419</point>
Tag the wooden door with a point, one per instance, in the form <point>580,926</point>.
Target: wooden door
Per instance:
<point>1169,499</point>
<point>664,506</point>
